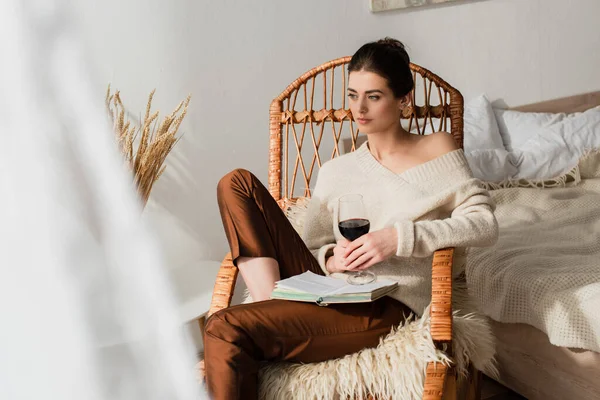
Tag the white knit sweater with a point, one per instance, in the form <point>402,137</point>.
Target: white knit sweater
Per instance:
<point>433,205</point>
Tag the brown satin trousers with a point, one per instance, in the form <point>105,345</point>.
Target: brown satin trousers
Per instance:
<point>239,338</point>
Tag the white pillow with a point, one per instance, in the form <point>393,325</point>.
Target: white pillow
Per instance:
<point>483,144</point>
<point>492,165</point>
<point>481,129</point>
<point>545,145</point>
<point>517,127</point>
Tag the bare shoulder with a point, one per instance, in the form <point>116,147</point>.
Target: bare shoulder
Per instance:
<point>439,143</point>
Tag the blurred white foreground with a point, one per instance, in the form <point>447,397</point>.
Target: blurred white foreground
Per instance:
<point>86,310</point>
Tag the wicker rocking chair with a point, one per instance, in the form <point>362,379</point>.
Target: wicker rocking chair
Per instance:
<point>306,129</point>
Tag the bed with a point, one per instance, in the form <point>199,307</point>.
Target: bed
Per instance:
<point>528,362</point>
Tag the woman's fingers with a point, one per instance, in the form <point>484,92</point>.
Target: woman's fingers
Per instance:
<point>356,253</point>
<point>355,244</point>
<point>343,243</point>
<point>367,265</point>
<point>360,261</point>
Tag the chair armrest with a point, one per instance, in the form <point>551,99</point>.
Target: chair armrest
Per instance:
<point>224,286</point>
<point>441,297</point>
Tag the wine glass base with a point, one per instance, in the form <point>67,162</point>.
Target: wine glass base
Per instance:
<point>361,278</point>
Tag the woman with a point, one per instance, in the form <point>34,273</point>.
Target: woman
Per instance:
<point>420,196</point>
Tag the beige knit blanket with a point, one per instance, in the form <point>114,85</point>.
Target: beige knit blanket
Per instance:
<point>545,268</point>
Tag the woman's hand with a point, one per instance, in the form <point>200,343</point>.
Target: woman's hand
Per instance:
<point>335,263</point>
<point>370,249</point>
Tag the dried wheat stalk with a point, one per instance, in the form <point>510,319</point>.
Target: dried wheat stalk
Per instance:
<point>154,144</point>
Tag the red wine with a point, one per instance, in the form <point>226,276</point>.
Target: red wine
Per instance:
<point>354,228</point>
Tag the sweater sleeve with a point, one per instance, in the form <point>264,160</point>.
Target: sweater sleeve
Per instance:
<point>471,224</point>
<point>318,232</point>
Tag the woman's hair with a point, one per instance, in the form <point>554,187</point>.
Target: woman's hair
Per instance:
<point>387,58</point>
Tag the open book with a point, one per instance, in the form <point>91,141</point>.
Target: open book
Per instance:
<point>325,290</point>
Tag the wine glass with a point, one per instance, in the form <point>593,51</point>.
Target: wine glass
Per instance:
<point>353,223</point>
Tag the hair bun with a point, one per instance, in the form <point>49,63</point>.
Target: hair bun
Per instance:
<point>391,42</point>
<point>387,58</point>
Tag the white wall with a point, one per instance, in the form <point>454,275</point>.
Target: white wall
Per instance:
<point>235,56</point>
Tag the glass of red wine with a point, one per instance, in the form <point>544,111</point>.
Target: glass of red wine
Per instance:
<point>353,223</point>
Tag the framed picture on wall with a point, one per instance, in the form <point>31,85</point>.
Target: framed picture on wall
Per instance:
<point>384,5</point>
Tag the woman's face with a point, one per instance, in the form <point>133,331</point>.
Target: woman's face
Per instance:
<point>373,104</point>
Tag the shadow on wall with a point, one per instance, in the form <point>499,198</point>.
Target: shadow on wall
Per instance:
<point>185,238</point>
<point>186,234</point>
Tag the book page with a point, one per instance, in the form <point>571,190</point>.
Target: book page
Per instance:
<point>310,282</point>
